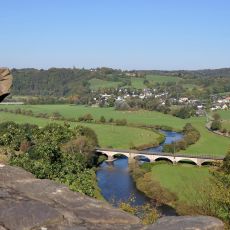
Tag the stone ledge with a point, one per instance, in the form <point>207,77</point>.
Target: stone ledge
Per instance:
<point>188,223</point>
<point>30,203</point>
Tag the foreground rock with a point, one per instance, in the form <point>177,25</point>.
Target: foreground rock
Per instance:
<point>189,223</point>
<point>5,83</point>
<point>30,203</point>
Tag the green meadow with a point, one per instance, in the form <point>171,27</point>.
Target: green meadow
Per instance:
<point>226,124</point>
<point>184,180</point>
<point>161,79</point>
<point>224,114</point>
<point>136,82</point>
<point>135,117</point>
<point>108,135</point>
<point>96,84</point>
<point>209,143</point>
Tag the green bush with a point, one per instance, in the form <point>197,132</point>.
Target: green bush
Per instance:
<point>54,152</point>
<point>121,122</point>
<point>216,125</point>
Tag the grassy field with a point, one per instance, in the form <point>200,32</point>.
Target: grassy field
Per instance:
<point>136,117</point>
<point>224,114</point>
<point>190,86</point>
<point>208,143</point>
<point>183,180</point>
<point>137,83</point>
<point>95,84</point>
<point>161,79</point>
<point>226,124</point>
<point>108,135</point>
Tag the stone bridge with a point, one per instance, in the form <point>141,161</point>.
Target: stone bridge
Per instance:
<point>155,156</point>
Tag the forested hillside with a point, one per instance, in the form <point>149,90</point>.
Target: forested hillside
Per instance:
<point>78,83</point>
<point>61,81</point>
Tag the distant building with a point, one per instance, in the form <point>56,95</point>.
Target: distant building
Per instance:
<point>183,99</point>
<point>224,107</point>
<point>200,112</point>
<point>200,107</point>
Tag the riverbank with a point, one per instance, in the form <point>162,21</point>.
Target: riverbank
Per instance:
<point>179,186</point>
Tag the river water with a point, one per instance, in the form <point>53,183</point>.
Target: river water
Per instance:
<point>117,185</point>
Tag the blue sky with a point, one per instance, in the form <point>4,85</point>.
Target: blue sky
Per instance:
<point>125,34</point>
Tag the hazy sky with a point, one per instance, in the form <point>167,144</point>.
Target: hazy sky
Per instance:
<point>126,34</point>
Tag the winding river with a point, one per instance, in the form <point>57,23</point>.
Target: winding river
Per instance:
<point>117,185</point>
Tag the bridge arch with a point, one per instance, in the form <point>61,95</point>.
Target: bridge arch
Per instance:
<point>206,162</point>
<point>142,158</point>
<point>187,161</point>
<point>112,155</point>
<point>102,153</point>
<point>164,158</point>
<point>122,155</point>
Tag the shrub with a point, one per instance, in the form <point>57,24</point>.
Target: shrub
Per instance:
<point>184,112</point>
<point>102,119</point>
<point>121,122</point>
<point>111,120</point>
<point>216,125</point>
<point>121,105</point>
<point>87,118</point>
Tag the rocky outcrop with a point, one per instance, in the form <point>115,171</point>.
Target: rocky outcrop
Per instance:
<point>5,82</point>
<point>30,203</point>
<point>188,223</point>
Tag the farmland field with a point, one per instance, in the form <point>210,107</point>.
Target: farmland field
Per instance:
<point>182,179</point>
<point>136,117</point>
<point>108,135</point>
<point>209,143</point>
<point>95,84</point>
<point>226,124</point>
<point>161,79</point>
<point>137,83</point>
<point>224,114</point>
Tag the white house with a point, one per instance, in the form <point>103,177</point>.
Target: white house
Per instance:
<point>183,99</point>
<point>224,107</point>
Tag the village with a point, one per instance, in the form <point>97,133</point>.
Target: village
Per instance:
<point>216,102</point>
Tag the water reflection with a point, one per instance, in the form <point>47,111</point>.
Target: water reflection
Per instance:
<point>116,183</point>
<point>170,137</point>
